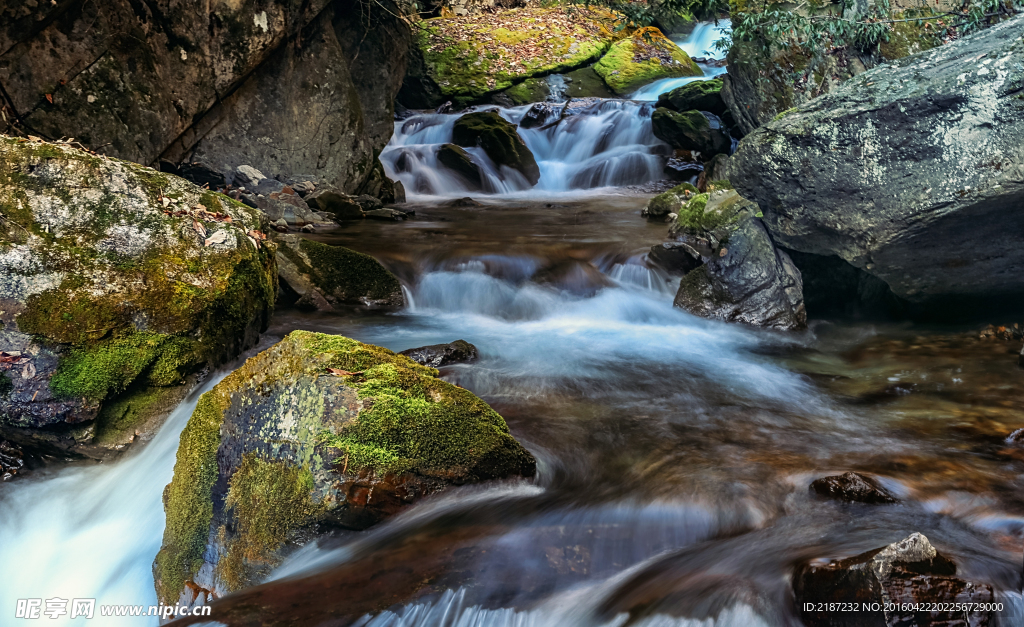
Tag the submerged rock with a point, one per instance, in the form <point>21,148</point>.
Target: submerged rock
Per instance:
<point>315,433</point>
<point>437,355</point>
<point>910,172</point>
<point>117,283</point>
<point>325,277</point>
<point>744,277</point>
<point>692,130</point>
<point>643,58</point>
<point>908,572</point>
<point>852,487</point>
<point>499,139</point>
<point>455,158</point>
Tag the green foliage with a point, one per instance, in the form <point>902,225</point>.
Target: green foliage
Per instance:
<point>645,13</point>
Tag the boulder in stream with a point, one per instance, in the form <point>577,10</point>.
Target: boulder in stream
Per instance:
<point>744,278</point>
<point>499,139</point>
<point>692,130</point>
<point>698,95</point>
<point>325,277</point>
<point>456,159</point>
<point>315,433</point>
<point>908,572</point>
<point>437,355</point>
<point>911,172</point>
<point>852,487</point>
<point>118,284</point>
<point>644,57</point>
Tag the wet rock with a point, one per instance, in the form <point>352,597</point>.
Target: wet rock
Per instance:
<point>949,241</point>
<point>455,158</point>
<point>682,169</point>
<point>325,277</point>
<point>1016,438</point>
<point>368,203</point>
<point>304,188</point>
<point>668,202</point>
<point>248,176</point>
<point>698,95</point>
<point>910,571</point>
<point>367,433</point>
<point>287,207</point>
<point>745,278</point>
<point>12,460</point>
<point>715,168</point>
<point>676,258</point>
<point>122,328</point>
<point>387,213</point>
<point>691,130</point>
<point>341,206</point>
<point>538,115</point>
<point>437,355</point>
<point>267,186</point>
<point>852,487</point>
<point>463,202</point>
<point>499,139</point>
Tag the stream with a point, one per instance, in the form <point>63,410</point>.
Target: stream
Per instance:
<point>674,453</point>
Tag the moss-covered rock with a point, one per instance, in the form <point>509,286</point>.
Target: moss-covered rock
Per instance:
<point>325,276</point>
<point>744,278</point>
<point>671,201</point>
<point>458,160</point>
<point>316,432</point>
<point>645,57</point>
<point>691,130</point>
<point>113,274</point>
<point>465,58</point>
<point>699,95</point>
<point>499,139</point>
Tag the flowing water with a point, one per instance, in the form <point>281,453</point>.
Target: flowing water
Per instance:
<point>674,453</point>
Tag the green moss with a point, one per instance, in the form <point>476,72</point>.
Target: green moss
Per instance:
<point>699,95</point>
<point>347,274</point>
<point>530,90</point>
<point>907,38</point>
<point>499,139</point>
<point>119,419</point>
<point>720,184</point>
<point>269,500</point>
<point>691,214</point>
<point>669,201</point>
<point>68,315</point>
<point>106,368</point>
<point>783,114</point>
<point>188,500</point>
<point>633,62</point>
<point>6,385</point>
<point>211,202</point>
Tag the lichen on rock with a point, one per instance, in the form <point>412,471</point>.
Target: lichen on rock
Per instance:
<point>325,431</point>
<point>643,58</point>
<point>112,273</point>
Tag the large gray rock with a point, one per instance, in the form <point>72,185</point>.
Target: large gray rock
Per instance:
<point>913,171</point>
<point>285,86</point>
<point>745,278</point>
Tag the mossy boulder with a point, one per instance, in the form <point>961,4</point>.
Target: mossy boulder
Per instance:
<point>325,277</point>
<point>466,58</point>
<point>744,277</point>
<point>698,95</point>
<point>699,131</point>
<point>315,433</point>
<point>115,279</point>
<point>669,202</point>
<point>499,139</point>
<point>643,58</point>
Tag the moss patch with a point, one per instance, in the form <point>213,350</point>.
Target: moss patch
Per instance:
<point>119,419</point>
<point>643,58</point>
<point>471,56</point>
<point>907,38</point>
<point>499,139</point>
<point>345,273</point>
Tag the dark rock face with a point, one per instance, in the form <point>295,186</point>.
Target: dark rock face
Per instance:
<point>676,258</point>
<point>691,130</point>
<point>281,85</point>
<point>458,160</point>
<point>910,571</point>
<point>911,172</point>
<point>698,95</point>
<point>365,432</point>
<point>500,141</point>
<point>538,115</point>
<point>341,206</point>
<point>325,277</point>
<point>437,355</point>
<point>852,487</point>
<point>744,278</point>
<point>11,460</point>
<point>833,287</point>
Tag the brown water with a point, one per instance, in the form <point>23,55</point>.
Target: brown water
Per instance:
<point>674,453</point>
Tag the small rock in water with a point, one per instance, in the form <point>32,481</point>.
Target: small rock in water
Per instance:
<point>308,228</point>
<point>1016,438</point>
<point>463,202</point>
<point>889,580</point>
<point>11,460</point>
<point>538,115</point>
<point>437,355</point>
<point>852,487</point>
<point>386,214</point>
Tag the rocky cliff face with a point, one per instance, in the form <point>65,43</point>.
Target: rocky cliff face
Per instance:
<point>911,172</point>
<point>291,87</point>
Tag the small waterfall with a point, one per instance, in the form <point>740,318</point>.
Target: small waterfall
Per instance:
<point>699,44</point>
<point>608,143</point>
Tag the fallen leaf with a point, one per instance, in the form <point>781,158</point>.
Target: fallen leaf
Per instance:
<point>49,98</point>
<point>338,372</point>
<point>217,238</point>
<point>198,226</point>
